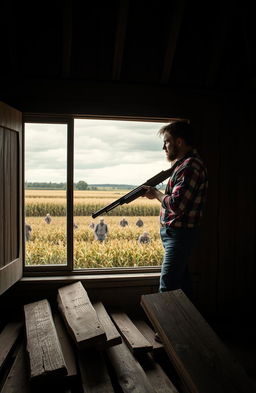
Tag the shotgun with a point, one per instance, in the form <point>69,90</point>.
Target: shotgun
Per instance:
<point>136,192</point>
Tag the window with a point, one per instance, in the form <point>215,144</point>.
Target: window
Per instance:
<point>65,185</point>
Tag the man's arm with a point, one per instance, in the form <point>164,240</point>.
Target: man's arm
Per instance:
<point>153,193</point>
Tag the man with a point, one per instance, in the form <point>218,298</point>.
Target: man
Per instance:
<point>181,205</point>
<point>144,238</point>
<point>48,218</point>
<point>123,223</point>
<point>101,231</point>
<point>139,223</point>
<point>28,231</point>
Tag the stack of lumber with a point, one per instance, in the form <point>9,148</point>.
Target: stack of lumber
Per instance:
<point>200,358</point>
<point>80,348</point>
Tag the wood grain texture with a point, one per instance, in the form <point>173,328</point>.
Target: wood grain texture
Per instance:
<point>94,374</point>
<point>156,375</point>
<point>10,196</point>
<point>8,339</point>
<point>113,336</point>
<point>66,346</point>
<point>149,334</point>
<point>18,381</point>
<point>45,354</point>
<point>130,375</point>
<point>132,336</point>
<point>79,315</point>
<point>200,358</point>
<point>10,117</point>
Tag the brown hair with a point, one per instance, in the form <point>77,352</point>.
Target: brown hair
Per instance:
<point>179,129</point>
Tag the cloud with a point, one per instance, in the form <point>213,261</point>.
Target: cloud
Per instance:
<point>105,151</point>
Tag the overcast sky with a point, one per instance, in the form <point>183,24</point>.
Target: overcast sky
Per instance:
<point>106,151</point>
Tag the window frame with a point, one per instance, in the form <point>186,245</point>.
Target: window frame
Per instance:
<point>68,269</point>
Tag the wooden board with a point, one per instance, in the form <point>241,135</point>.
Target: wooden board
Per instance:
<point>43,346</point>
<point>113,336</point>
<point>18,381</point>
<point>66,346</point>
<point>80,317</point>
<point>132,336</point>
<point>8,339</point>
<point>94,373</point>
<point>149,334</point>
<point>129,373</point>
<point>156,375</point>
<point>200,358</point>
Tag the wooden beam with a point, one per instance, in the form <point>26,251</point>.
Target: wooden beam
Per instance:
<point>129,373</point>
<point>120,38</point>
<point>200,358</point>
<point>43,346</point>
<point>113,336</point>
<point>132,336</point>
<point>18,381</point>
<point>174,31</point>
<point>80,317</point>
<point>94,373</point>
<point>66,37</point>
<point>149,334</point>
<point>67,349</point>
<point>8,339</point>
<point>156,375</point>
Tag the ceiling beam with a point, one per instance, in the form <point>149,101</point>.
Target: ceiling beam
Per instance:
<point>66,38</point>
<point>174,30</point>
<point>120,39</point>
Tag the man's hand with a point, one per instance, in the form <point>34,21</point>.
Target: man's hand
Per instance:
<point>153,193</point>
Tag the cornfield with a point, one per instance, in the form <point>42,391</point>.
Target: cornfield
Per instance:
<point>47,244</point>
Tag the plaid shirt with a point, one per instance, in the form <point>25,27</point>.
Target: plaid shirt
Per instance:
<point>185,193</point>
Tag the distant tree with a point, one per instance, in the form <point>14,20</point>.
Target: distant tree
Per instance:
<point>81,185</point>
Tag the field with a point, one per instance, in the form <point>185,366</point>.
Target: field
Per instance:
<point>121,248</point>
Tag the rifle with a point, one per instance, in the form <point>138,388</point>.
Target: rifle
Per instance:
<point>136,192</point>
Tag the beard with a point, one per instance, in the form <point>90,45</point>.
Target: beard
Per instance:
<point>173,154</point>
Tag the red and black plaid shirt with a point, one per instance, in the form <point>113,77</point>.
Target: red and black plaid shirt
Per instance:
<point>185,193</point>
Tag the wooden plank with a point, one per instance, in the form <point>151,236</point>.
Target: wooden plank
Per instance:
<point>18,381</point>
<point>174,30</point>
<point>14,203</point>
<point>129,373</point>
<point>156,375</point>
<point>80,317</point>
<point>7,197</point>
<point>8,339</point>
<point>113,336</point>
<point>200,358</point>
<point>149,334</point>
<point>132,336</point>
<point>10,118</point>
<point>94,373</point>
<point>45,355</point>
<point>2,176</point>
<point>66,346</point>
<point>120,39</point>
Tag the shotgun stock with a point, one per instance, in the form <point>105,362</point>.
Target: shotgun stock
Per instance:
<point>136,192</point>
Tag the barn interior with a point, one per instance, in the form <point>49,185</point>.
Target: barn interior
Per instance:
<point>143,61</point>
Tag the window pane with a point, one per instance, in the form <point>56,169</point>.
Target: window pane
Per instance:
<point>45,193</point>
<point>110,159</point>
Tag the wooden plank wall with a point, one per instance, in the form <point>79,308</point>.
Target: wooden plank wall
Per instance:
<point>10,195</point>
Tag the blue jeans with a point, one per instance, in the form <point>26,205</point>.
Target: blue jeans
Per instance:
<point>178,244</point>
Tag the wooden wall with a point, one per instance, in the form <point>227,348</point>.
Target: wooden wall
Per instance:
<point>223,265</point>
<point>10,196</point>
